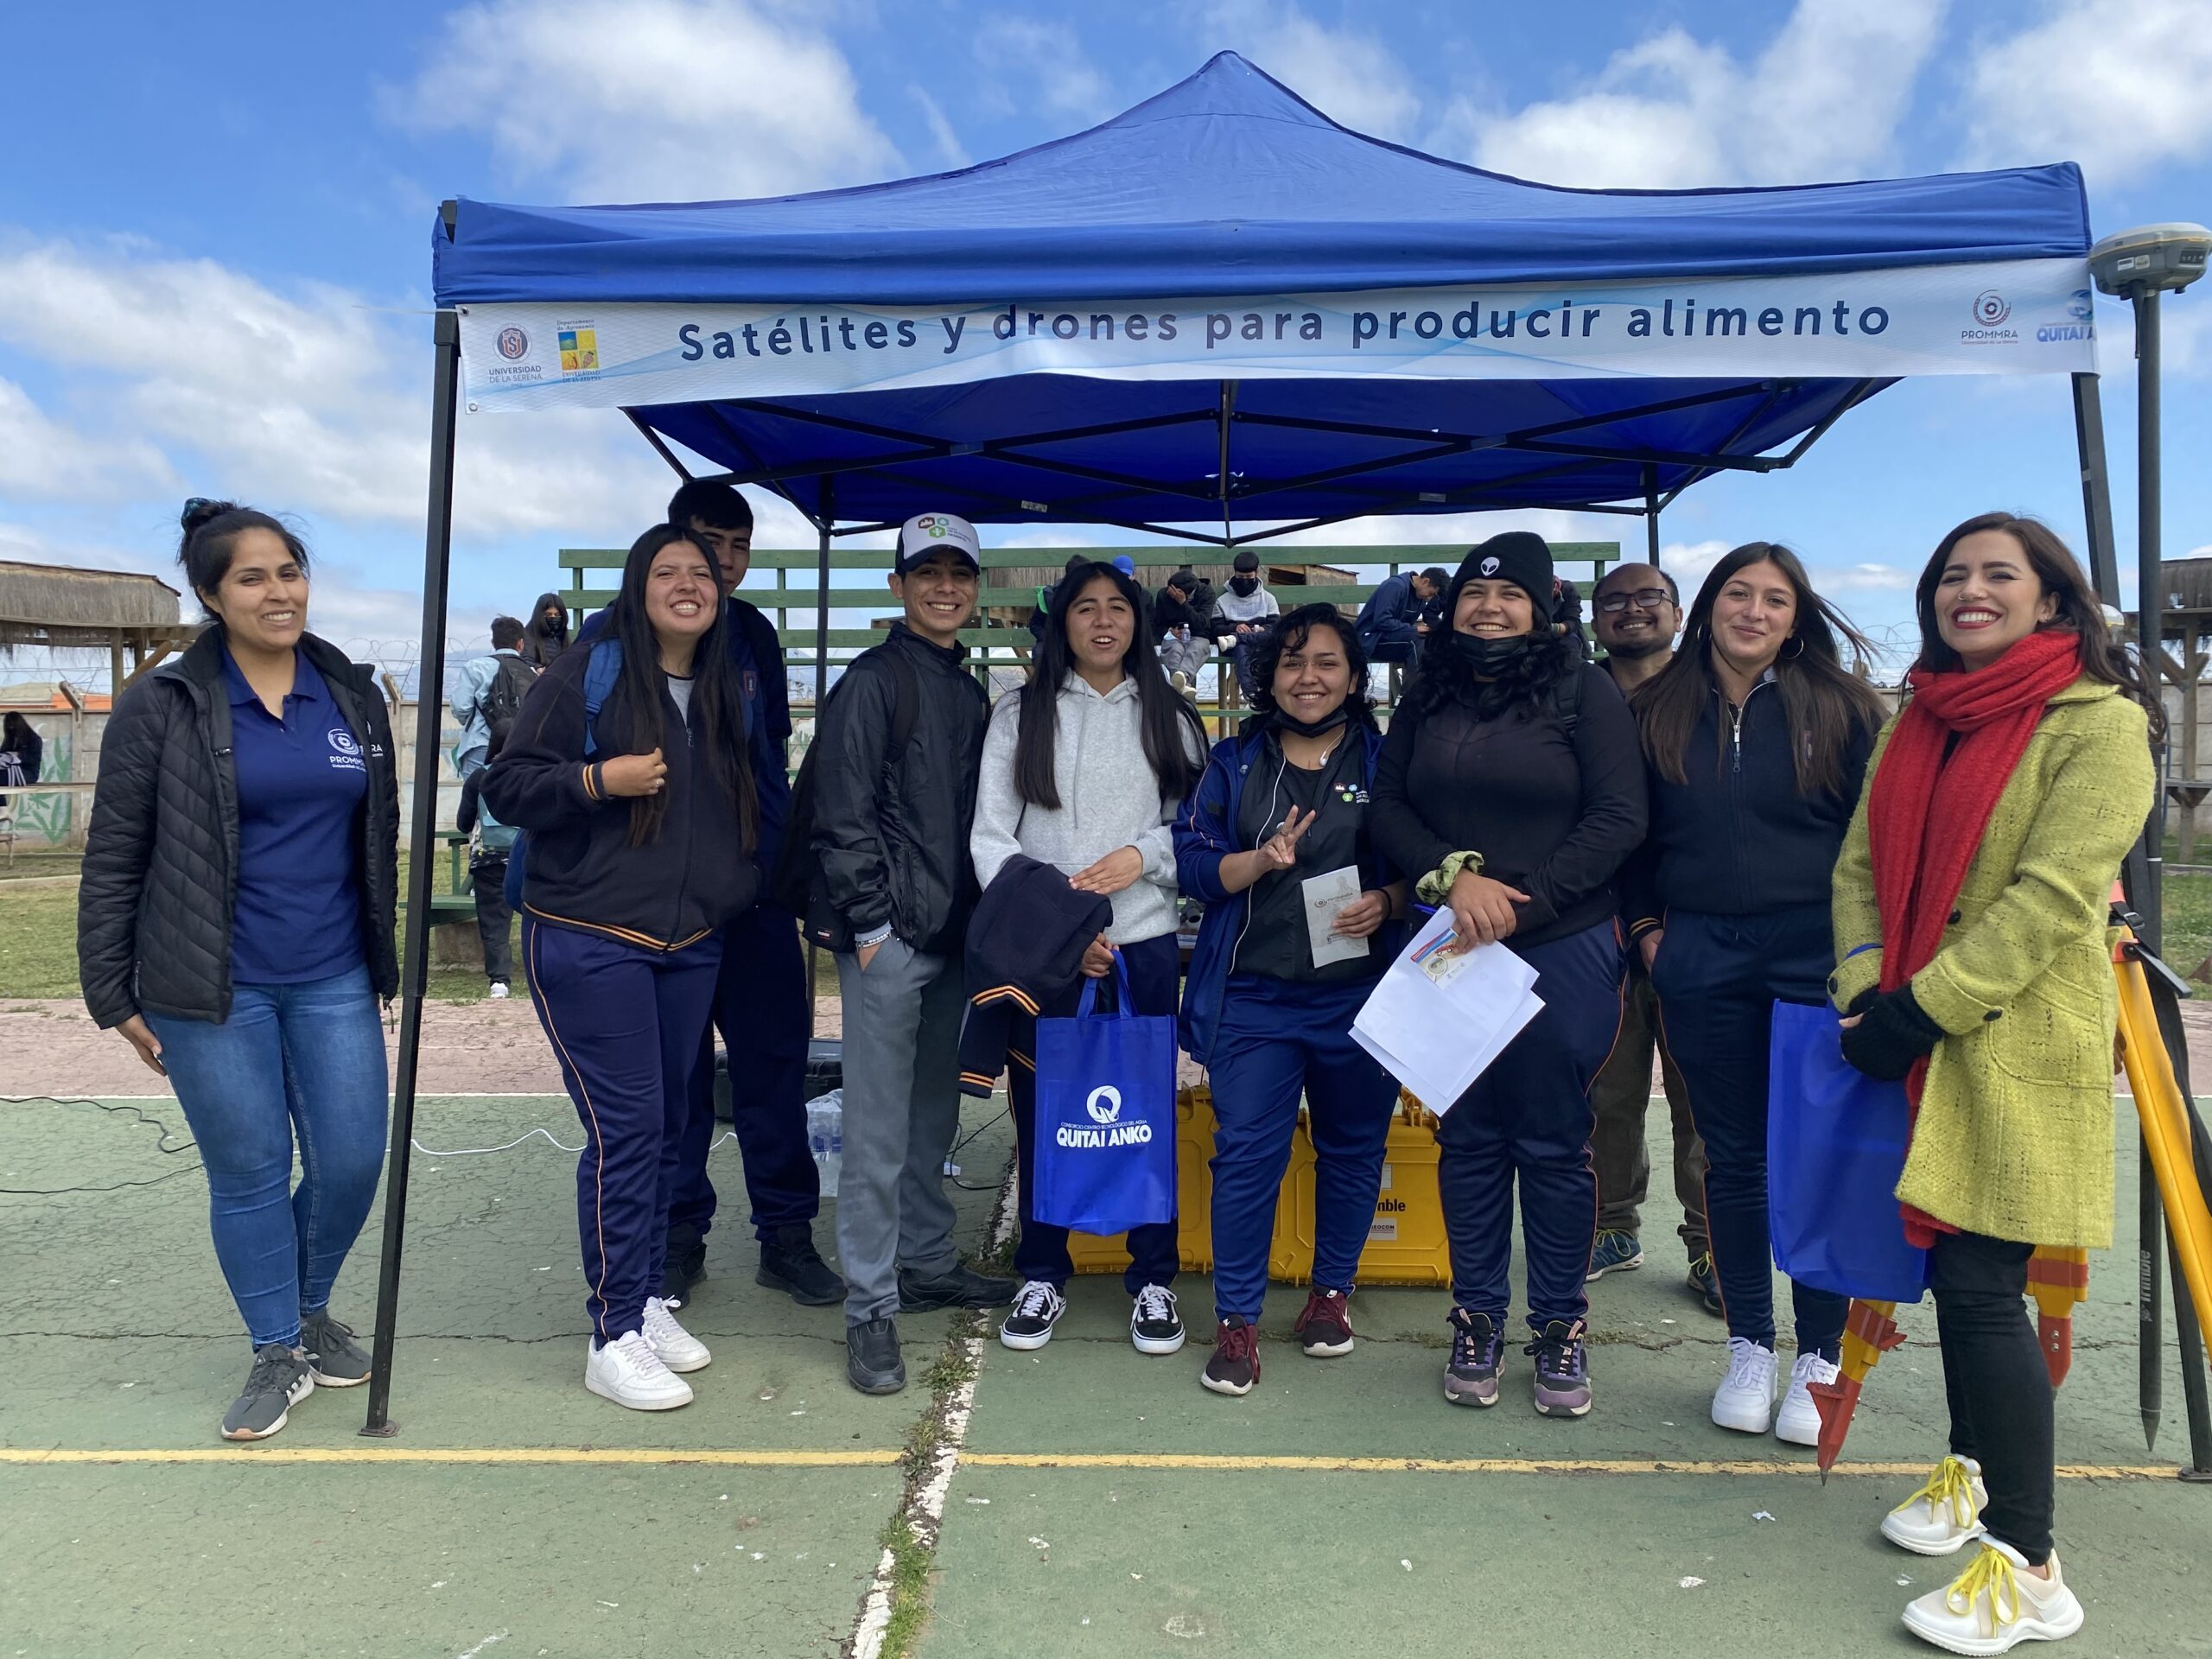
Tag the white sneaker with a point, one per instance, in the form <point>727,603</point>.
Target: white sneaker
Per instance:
<point>679,1349</point>
<point>629,1372</point>
<point>1995,1605</point>
<point>1037,1309</point>
<point>1799,1420</point>
<point>499,993</point>
<point>1942,1515</point>
<point>1745,1400</point>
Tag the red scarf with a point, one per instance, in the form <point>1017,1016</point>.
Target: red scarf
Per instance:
<point>1926,816</point>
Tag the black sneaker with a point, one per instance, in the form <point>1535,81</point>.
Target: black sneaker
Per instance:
<point>1037,1309</point>
<point>961,1287</point>
<point>789,1262</point>
<point>334,1359</point>
<point>1234,1365</point>
<point>872,1360</point>
<point>1562,1369</point>
<point>1154,1325</point>
<point>1324,1327</point>
<point>1471,1375</point>
<point>278,1381</point>
<point>684,1264</point>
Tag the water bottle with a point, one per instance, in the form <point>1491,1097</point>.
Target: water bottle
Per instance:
<point>825,1137</point>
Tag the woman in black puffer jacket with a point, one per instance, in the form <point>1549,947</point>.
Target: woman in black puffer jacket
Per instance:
<point>235,924</point>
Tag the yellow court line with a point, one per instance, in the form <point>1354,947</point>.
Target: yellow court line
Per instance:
<point>1131,1462</point>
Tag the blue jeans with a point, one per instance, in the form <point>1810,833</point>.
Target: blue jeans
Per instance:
<point>304,1060</point>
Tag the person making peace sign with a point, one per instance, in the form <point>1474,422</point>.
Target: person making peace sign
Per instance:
<point>1267,1013</point>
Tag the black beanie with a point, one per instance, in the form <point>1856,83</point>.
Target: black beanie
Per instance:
<point>1519,556</point>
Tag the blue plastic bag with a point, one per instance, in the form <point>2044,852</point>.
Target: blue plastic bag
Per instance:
<point>1104,1160</point>
<point>1835,1146</point>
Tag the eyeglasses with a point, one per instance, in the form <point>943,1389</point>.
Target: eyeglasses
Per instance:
<point>1644,599</point>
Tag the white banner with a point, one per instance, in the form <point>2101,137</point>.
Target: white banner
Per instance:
<point>2019,317</point>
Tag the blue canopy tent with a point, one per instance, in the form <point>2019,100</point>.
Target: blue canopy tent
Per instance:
<point>1221,316</point>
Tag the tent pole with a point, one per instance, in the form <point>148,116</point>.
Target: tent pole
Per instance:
<point>826,525</point>
<point>1228,410</point>
<point>1651,513</point>
<point>414,968</point>
<point>2150,594</point>
<point>2096,487</point>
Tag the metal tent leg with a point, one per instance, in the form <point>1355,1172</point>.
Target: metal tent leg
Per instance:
<point>413,967</point>
<point>827,524</point>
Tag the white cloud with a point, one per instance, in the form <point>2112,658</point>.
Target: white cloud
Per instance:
<point>648,100</point>
<point>1862,578</point>
<point>41,456</point>
<point>1687,562</point>
<point>310,401</point>
<point>2118,85</point>
<point>1349,76</point>
<point>950,150</point>
<point>1033,66</point>
<point>1822,101</point>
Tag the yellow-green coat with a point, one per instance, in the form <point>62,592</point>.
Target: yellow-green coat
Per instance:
<point>2014,1137</point>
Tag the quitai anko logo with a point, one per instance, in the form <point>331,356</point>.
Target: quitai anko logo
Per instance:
<point>1991,308</point>
<point>514,344</point>
<point>1104,1104</point>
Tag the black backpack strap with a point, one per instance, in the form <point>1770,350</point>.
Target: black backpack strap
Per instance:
<point>1567,699</point>
<point>905,704</point>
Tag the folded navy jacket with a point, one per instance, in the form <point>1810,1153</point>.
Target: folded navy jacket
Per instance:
<point>1026,942</point>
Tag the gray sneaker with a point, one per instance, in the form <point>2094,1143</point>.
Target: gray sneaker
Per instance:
<point>279,1380</point>
<point>334,1359</point>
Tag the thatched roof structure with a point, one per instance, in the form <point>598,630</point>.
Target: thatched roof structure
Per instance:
<point>51,605</point>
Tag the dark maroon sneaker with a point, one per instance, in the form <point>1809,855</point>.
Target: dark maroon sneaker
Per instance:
<point>1234,1366</point>
<point>1562,1369</point>
<point>1471,1375</point>
<point>1324,1327</point>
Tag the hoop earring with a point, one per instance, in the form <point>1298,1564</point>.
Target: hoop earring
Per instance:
<point>1797,639</point>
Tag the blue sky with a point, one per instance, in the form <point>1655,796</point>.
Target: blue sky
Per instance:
<point>215,229</point>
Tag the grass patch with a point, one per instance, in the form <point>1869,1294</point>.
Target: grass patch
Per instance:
<point>2189,922</point>
<point>912,1564</point>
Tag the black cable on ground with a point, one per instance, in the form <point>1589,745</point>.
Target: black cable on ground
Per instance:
<point>162,1146</point>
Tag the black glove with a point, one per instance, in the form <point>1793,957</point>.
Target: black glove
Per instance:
<point>1892,1032</point>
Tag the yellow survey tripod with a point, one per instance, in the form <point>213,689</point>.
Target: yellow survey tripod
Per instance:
<point>2176,1174</point>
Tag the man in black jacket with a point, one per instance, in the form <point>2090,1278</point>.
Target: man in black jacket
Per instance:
<point>891,837</point>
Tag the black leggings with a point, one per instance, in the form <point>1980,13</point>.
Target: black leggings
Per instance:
<point>1997,1384</point>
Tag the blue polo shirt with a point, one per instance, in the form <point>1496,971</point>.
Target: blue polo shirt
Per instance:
<point>302,780</point>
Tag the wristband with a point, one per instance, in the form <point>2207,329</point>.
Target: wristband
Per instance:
<point>1436,886</point>
<point>875,936</point>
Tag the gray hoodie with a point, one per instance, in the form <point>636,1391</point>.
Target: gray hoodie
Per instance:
<point>1109,799</point>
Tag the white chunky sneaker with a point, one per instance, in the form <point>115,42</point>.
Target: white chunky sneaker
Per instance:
<point>679,1349</point>
<point>1037,1309</point>
<point>1997,1603</point>
<point>629,1372</point>
<point>1799,1420</point>
<point>1745,1400</point>
<point>1942,1515</point>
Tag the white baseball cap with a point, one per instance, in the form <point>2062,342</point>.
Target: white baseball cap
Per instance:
<point>927,534</point>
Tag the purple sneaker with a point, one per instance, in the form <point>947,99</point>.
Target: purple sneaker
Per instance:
<point>1470,1377</point>
<point>1562,1369</point>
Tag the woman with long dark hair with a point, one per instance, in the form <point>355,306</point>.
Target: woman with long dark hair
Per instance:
<point>1510,787</point>
<point>235,924</point>
<point>1970,907</point>
<point>1084,768</point>
<point>22,752</point>
<point>1269,1016</point>
<point>628,766</point>
<point>1755,738</point>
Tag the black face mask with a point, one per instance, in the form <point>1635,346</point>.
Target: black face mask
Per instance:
<point>1243,587</point>
<point>1327,724</point>
<point>1489,655</point>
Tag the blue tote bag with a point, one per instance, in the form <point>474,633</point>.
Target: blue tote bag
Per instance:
<point>1836,1145</point>
<point>1104,1160</point>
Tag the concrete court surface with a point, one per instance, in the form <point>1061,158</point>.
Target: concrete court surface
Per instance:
<point>1103,1503</point>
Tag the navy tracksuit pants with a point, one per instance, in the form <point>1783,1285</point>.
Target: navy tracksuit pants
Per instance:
<point>1527,1121</point>
<point>760,1008</point>
<point>1155,968</point>
<point>624,1023</point>
<point>1717,979</point>
<point>1277,1040</point>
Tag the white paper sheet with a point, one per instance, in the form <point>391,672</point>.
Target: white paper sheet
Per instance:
<point>1436,1020</point>
<point>1326,895</point>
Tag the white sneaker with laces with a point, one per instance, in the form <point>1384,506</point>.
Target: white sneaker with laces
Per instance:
<point>1154,1325</point>
<point>1745,1400</point>
<point>1944,1514</point>
<point>1037,1308</point>
<point>629,1372</point>
<point>1997,1603</point>
<point>1799,1420</point>
<point>499,993</point>
<point>679,1349</point>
